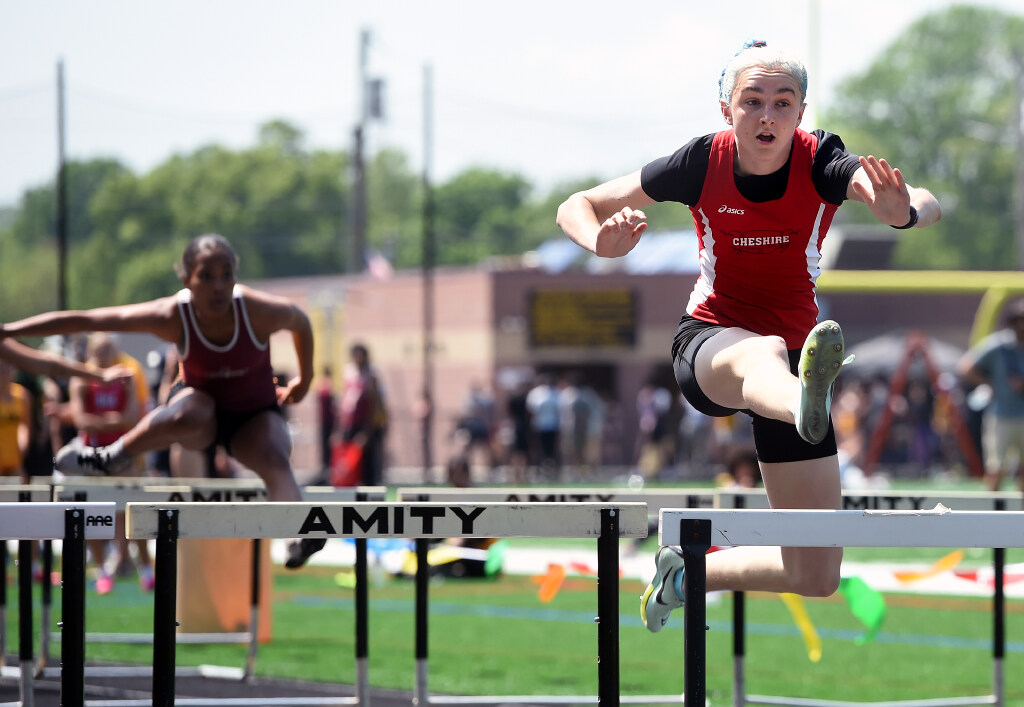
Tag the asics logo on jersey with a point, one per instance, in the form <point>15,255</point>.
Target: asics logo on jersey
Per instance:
<point>726,209</point>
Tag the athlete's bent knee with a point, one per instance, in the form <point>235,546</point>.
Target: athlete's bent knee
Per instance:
<point>816,578</point>
<point>818,584</point>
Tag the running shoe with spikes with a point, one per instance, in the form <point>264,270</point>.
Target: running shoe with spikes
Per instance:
<point>300,551</point>
<point>820,362</point>
<point>75,458</point>
<point>665,592</point>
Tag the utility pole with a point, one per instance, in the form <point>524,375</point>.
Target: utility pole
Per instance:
<point>814,63</point>
<point>429,257</point>
<point>1018,144</point>
<point>62,196</point>
<point>357,211</point>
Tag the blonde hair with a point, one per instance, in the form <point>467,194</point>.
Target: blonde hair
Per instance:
<point>756,54</point>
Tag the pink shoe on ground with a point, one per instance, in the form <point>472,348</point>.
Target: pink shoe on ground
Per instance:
<point>104,585</point>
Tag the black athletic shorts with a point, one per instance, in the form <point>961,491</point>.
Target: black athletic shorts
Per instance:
<point>774,440</point>
<point>228,421</point>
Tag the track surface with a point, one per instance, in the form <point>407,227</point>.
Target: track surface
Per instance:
<point>47,691</point>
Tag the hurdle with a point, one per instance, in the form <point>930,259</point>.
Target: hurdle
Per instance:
<point>696,530</point>
<point>24,493</point>
<point>604,522</point>
<point>655,500</point>
<point>124,490</point>
<point>72,524</point>
<point>888,500</point>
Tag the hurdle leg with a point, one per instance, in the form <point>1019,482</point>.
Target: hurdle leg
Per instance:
<point>739,687</point>
<point>3,601</point>
<point>362,625</point>
<point>254,611</point>
<point>45,611</point>
<point>696,541</point>
<point>164,621</point>
<point>25,620</point>
<point>998,627</point>
<point>421,696</point>
<point>608,609</point>
<point>72,615</point>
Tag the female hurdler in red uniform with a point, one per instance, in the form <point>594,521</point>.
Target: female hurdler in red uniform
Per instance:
<point>762,194</point>
<point>226,394</point>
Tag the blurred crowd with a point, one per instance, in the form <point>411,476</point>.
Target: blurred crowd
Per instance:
<point>558,428</point>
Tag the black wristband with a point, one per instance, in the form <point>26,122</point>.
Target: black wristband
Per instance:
<point>912,222</point>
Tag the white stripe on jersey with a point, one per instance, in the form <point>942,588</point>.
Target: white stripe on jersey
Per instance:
<point>813,253</point>
<point>705,285</point>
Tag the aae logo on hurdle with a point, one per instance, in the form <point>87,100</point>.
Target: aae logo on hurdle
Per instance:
<point>104,521</point>
<point>383,520</point>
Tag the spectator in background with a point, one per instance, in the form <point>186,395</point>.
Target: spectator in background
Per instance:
<point>695,438</point>
<point>364,413</point>
<point>576,408</point>
<point>742,469</point>
<point>546,418</point>
<point>850,410</point>
<point>477,422</point>
<point>519,439</point>
<point>998,362</point>
<point>15,423</point>
<point>327,419</point>
<point>102,413</point>
<point>653,404</point>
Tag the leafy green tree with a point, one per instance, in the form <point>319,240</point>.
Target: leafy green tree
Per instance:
<point>395,196</point>
<point>28,270</point>
<point>938,104</point>
<point>280,206</point>
<point>479,214</point>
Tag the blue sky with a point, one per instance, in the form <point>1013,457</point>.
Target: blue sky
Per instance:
<point>553,90</point>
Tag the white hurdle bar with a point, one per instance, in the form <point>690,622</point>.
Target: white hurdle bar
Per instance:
<point>605,523</point>
<point>889,500</point>
<point>73,524</point>
<point>655,499</point>
<point>694,531</point>
<point>125,490</point>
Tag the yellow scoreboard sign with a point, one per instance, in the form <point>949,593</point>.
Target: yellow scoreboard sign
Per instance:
<point>583,318</point>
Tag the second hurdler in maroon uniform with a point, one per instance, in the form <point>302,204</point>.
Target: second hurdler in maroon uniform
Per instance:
<point>227,394</point>
<point>762,194</point>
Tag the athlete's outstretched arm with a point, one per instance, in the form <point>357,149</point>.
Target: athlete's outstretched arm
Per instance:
<point>607,219</point>
<point>44,363</point>
<point>158,317</point>
<point>882,188</point>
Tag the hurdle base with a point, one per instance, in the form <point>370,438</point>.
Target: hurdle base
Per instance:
<point>231,701</point>
<point>808,702</point>
<point>180,638</point>
<point>214,672</point>
<point>549,699</point>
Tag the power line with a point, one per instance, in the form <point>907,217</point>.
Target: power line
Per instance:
<point>17,94</point>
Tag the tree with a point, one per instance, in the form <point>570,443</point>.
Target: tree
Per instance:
<point>938,104</point>
<point>479,215</point>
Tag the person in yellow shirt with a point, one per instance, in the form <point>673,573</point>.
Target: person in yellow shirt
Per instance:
<point>15,422</point>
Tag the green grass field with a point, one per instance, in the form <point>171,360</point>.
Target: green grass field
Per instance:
<point>494,637</point>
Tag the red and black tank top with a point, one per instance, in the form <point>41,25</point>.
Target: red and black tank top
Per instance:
<point>238,374</point>
<point>759,260</point>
